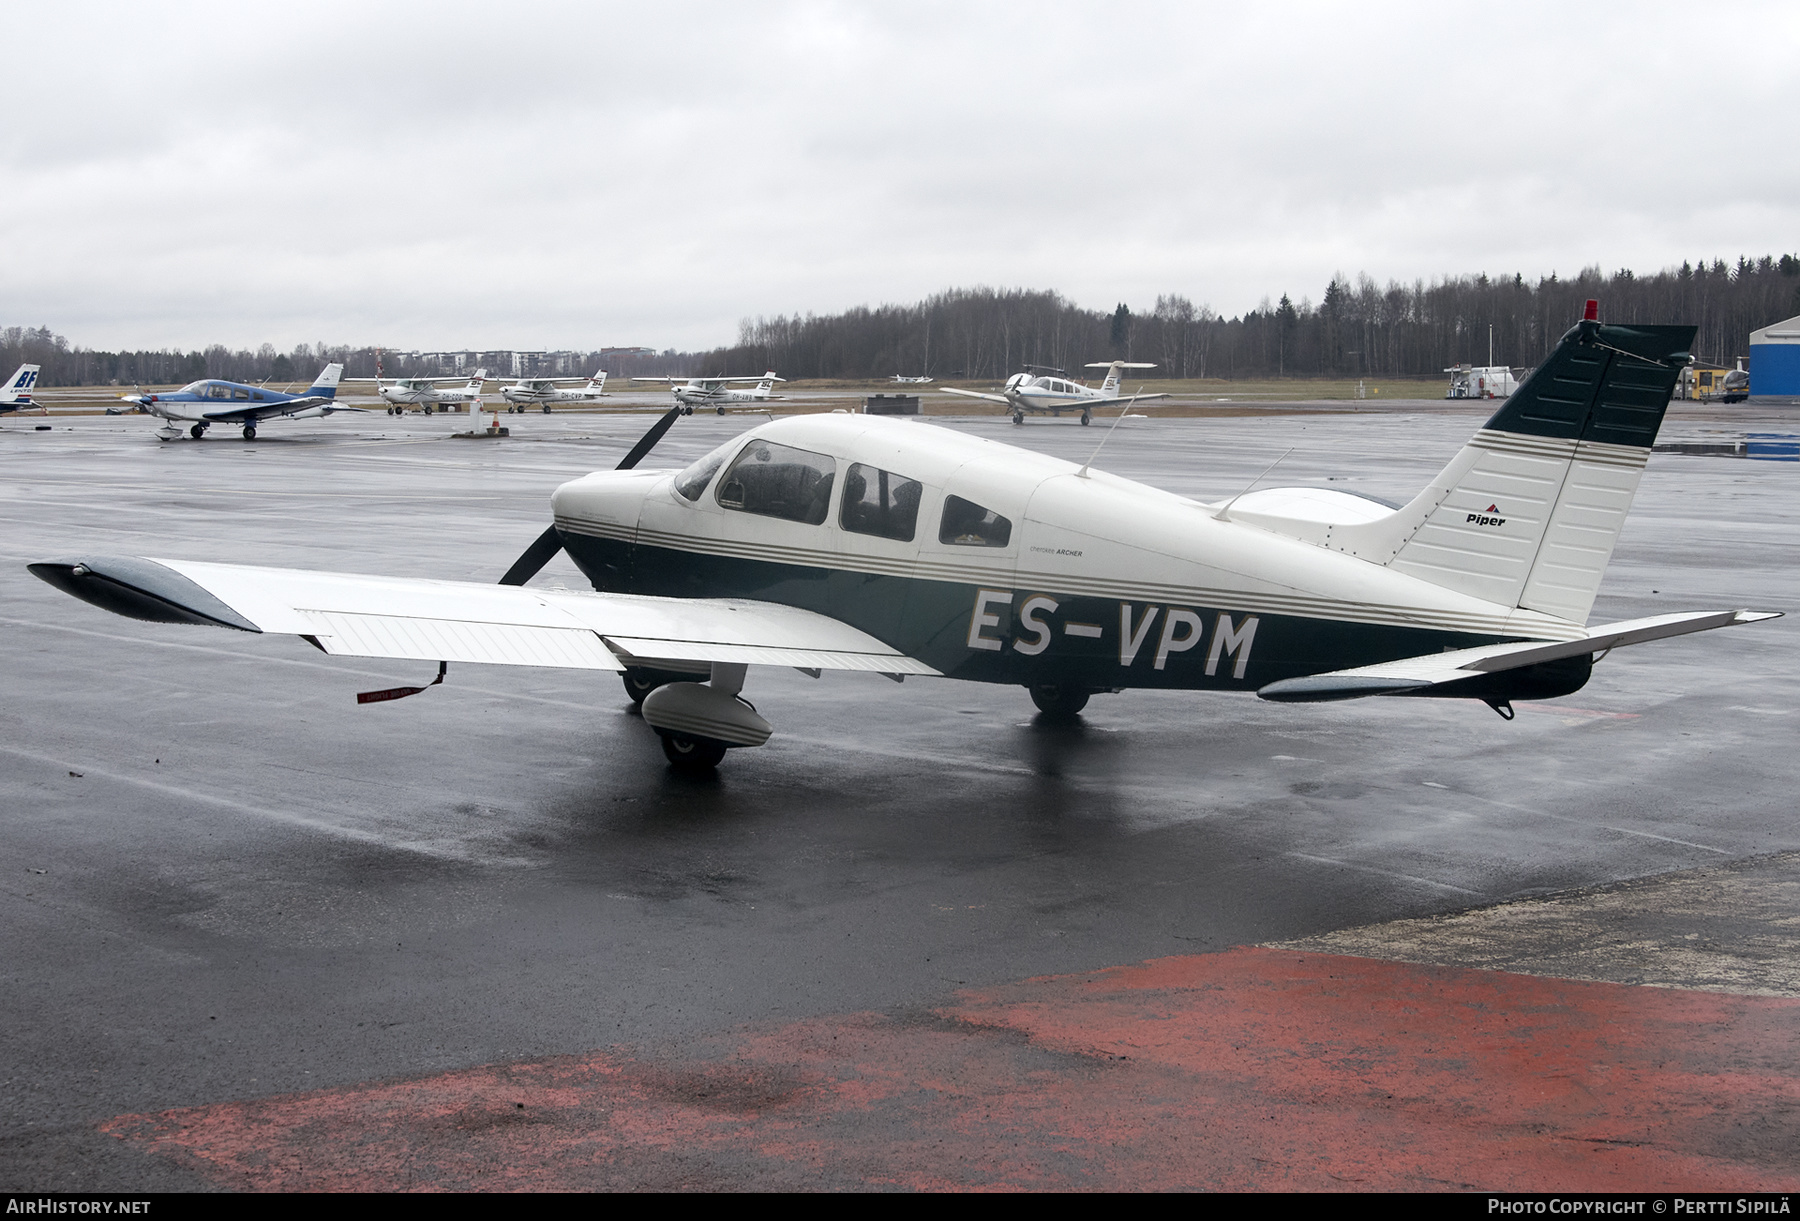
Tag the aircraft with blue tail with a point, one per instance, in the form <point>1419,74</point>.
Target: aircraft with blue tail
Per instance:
<point>17,394</point>
<point>212,400</point>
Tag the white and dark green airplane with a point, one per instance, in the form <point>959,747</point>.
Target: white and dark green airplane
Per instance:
<point>856,542</point>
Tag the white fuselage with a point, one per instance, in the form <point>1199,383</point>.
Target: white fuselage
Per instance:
<point>529,392</point>
<point>413,393</point>
<point>1093,536</point>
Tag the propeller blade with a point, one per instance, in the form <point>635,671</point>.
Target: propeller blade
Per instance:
<point>549,542</point>
<point>648,441</point>
<point>540,552</point>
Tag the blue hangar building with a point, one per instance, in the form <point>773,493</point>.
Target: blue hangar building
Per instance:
<point>1775,361</point>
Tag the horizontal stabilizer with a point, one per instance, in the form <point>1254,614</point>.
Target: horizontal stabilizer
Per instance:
<point>1416,675</point>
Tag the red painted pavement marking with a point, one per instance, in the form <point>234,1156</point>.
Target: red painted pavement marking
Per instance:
<point>1249,1069</point>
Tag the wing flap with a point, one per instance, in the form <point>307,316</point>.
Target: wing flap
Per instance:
<point>648,652</point>
<point>1416,674</point>
<point>344,634</point>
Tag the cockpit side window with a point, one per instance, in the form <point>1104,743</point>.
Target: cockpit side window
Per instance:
<point>218,392</point>
<point>779,481</point>
<point>241,394</point>
<point>967,524</point>
<point>691,482</point>
<point>880,503</point>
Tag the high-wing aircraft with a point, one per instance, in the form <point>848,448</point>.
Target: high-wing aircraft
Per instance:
<point>858,542</point>
<point>1040,388</point>
<point>913,381</point>
<point>16,396</point>
<point>424,392</point>
<point>211,401</point>
<point>718,391</point>
<point>548,391</point>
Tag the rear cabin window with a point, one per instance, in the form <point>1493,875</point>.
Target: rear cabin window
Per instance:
<point>779,481</point>
<point>691,482</point>
<point>967,524</point>
<point>881,503</point>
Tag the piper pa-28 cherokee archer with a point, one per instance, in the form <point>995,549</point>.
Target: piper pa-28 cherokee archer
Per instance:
<point>854,542</point>
<point>1037,390</point>
<point>204,403</point>
<point>694,392</point>
<point>548,391</point>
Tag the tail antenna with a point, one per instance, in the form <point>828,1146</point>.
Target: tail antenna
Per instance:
<point>1083,472</point>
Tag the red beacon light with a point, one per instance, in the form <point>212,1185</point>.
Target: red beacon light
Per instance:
<point>1592,313</point>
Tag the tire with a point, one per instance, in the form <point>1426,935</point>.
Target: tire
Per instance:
<point>721,411</point>
<point>1018,417</point>
<point>641,681</point>
<point>1086,419</point>
<point>546,409</point>
<point>249,432</point>
<point>691,754</point>
<point>197,431</point>
<point>1057,700</point>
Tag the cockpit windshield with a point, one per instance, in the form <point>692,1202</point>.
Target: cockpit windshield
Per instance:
<point>691,482</point>
<point>197,389</point>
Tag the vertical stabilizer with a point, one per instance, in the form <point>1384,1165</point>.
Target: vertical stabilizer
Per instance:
<point>326,384</point>
<point>1528,513</point>
<point>16,395</point>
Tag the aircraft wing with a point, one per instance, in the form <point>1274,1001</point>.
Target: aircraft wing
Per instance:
<point>262,411</point>
<point>353,615</point>
<point>976,394</point>
<point>1126,399</point>
<point>1413,675</point>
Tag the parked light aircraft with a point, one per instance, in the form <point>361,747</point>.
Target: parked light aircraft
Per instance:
<point>548,391</point>
<point>718,391</point>
<point>1044,389</point>
<point>211,401</point>
<point>913,381</point>
<point>857,542</point>
<point>423,392</point>
<point>17,394</point>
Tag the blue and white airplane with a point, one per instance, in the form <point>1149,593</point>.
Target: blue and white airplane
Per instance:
<point>17,394</point>
<point>210,401</point>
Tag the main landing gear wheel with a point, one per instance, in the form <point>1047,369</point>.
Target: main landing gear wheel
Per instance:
<point>721,411</point>
<point>1018,417</point>
<point>546,409</point>
<point>1086,419</point>
<point>197,431</point>
<point>1057,700</point>
<point>249,432</point>
<point>691,754</point>
<point>641,681</point>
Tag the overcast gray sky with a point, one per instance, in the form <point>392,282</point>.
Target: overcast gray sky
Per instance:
<point>586,174</point>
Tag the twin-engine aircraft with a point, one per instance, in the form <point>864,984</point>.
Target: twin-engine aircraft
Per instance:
<point>691,392</point>
<point>16,396</point>
<point>1041,389</point>
<point>856,542</point>
<point>548,391</point>
<point>211,401</point>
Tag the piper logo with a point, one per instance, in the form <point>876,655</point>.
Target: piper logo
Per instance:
<point>1486,519</point>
